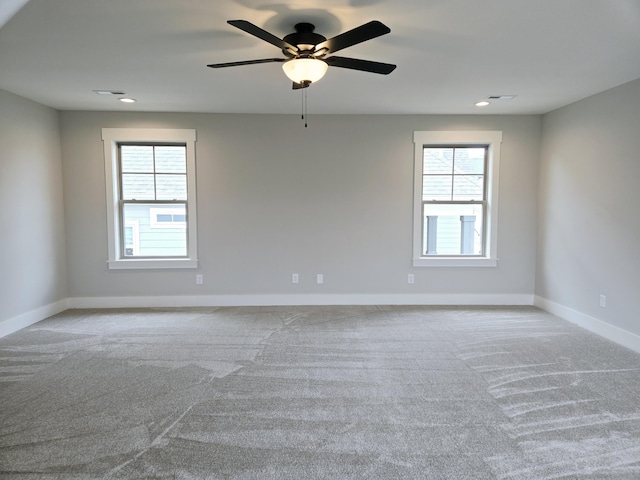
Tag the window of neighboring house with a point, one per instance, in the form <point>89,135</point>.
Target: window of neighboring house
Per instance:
<point>168,218</point>
<point>456,198</point>
<point>151,198</point>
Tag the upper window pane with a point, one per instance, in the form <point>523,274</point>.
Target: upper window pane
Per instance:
<point>468,187</point>
<point>438,161</point>
<point>138,186</point>
<point>171,159</point>
<point>136,158</point>
<point>437,187</point>
<point>171,187</point>
<point>469,160</point>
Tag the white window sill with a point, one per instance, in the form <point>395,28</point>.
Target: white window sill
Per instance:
<point>455,262</point>
<point>152,263</point>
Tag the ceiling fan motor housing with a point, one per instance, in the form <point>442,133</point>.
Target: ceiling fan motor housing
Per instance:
<point>304,38</point>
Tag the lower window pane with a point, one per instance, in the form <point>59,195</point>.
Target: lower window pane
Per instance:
<point>453,229</point>
<point>154,235</point>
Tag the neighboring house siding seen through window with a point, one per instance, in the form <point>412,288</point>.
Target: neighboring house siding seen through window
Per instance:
<point>151,198</point>
<point>456,198</point>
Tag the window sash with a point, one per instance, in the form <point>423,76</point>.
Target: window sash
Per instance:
<point>453,175</point>
<point>483,235</point>
<point>156,203</point>
<point>154,173</point>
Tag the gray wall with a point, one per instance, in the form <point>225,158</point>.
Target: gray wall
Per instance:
<point>276,198</point>
<point>336,198</point>
<point>32,240</point>
<point>589,226</point>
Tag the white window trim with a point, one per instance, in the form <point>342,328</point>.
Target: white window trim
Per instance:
<point>493,140</point>
<point>111,138</point>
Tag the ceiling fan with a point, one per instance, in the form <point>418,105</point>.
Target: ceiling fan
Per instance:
<point>306,51</point>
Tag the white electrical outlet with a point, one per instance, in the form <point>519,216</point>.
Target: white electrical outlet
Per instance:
<point>410,278</point>
<point>320,279</point>
<point>603,301</point>
<point>295,278</point>
<point>199,279</point>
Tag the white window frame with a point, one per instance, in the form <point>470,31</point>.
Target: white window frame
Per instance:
<point>492,140</point>
<point>112,137</point>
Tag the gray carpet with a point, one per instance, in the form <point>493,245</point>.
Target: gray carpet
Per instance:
<point>316,393</point>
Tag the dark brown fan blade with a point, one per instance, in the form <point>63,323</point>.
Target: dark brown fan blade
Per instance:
<point>246,62</point>
<point>364,65</point>
<point>359,34</point>
<point>262,34</point>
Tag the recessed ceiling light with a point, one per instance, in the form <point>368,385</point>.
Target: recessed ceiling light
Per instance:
<point>484,103</point>
<point>127,100</point>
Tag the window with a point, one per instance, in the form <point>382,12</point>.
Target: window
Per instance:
<point>456,198</point>
<point>151,208</point>
<point>168,218</point>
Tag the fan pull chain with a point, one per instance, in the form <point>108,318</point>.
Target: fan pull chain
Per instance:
<point>305,108</point>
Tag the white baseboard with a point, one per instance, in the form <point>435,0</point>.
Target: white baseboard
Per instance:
<point>603,329</point>
<point>301,299</point>
<point>14,324</point>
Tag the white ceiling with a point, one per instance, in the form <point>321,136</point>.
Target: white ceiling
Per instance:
<point>450,54</point>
